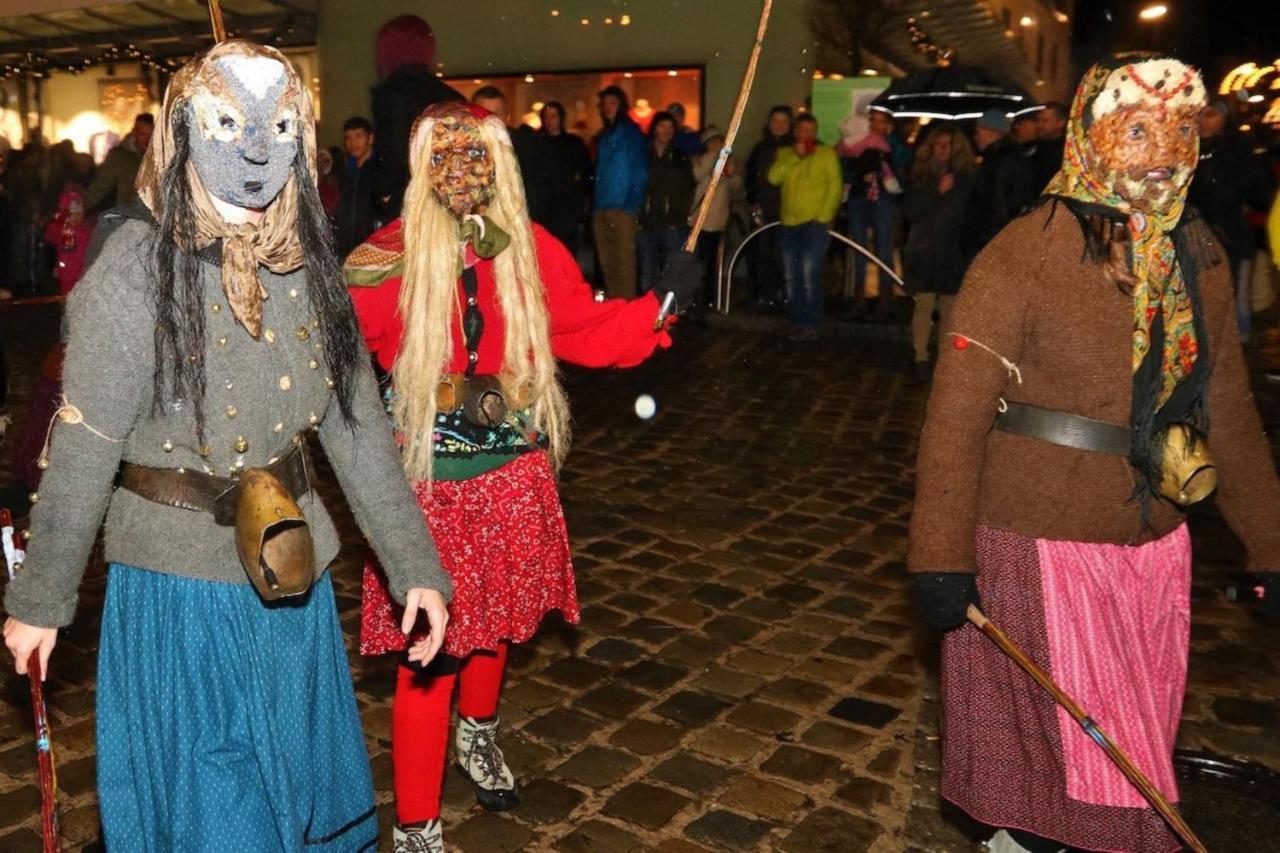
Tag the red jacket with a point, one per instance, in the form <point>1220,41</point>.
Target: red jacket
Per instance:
<point>71,242</point>
<point>613,333</point>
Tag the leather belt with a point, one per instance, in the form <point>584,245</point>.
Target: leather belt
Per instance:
<point>200,492</point>
<point>1064,428</point>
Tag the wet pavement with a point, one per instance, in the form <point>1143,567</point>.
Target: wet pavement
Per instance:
<point>748,674</point>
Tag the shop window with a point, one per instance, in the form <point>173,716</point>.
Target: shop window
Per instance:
<point>649,89</point>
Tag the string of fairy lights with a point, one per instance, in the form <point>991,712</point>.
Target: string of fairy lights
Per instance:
<point>38,66</point>
<point>923,44</point>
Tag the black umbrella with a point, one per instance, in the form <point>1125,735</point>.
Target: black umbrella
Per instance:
<point>952,92</point>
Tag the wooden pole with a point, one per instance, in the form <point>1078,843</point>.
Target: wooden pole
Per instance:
<point>743,95</point>
<point>1122,761</point>
<point>215,19</point>
<point>44,758</point>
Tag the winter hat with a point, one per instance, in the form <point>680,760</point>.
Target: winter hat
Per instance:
<point>995,120</point>
<point>406,40</point>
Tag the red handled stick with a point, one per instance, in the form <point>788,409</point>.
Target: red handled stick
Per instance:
<point>44,758</point>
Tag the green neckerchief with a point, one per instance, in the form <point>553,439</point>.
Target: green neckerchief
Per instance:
<point>487,239</point>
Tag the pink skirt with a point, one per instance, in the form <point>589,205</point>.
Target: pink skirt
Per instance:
<point>502,539</point>
<point>1111,625</point>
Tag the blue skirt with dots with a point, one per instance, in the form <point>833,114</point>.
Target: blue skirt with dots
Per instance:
<point>226,724</point>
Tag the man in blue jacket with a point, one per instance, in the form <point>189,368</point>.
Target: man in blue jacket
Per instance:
<point>621,172</point>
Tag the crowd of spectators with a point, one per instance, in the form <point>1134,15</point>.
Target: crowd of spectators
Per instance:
<point>921,199</point>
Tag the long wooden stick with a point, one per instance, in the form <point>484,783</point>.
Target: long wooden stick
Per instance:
<point>743,95</point>
<point>44,759</point>
<point>215,20</point>
<point>1122,761</point>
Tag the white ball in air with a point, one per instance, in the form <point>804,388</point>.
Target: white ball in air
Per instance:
<point>646,407</point>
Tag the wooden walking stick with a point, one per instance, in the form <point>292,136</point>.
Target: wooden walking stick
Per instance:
<point>44,759</point>
<point>743,94</point>
<point>14,554</point>
<point>1122,761</point>
<point>215,19</point>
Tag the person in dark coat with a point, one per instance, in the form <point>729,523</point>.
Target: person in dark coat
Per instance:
<point>406,47</point>
<point>1051,137</point>
<point>114,183</point>
<point>1003,186</point>
<point>935,204</point>
<point>570,200</point>
<point>545,175</point>
<point>765,203</point>
<point>357,215</point>
<point>1228,179</point>
<point>668,198</point>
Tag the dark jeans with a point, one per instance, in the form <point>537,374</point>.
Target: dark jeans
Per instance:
<point>764,256</point>
<point>656,249</point>
<point>878,217</point>
<point>708,246</point>
<point>804,250</point>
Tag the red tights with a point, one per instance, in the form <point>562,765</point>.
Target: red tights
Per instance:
<point>420,725</point>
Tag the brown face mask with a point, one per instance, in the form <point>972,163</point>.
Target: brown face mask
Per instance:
<point>1147,154</point>
<point>461,167</point>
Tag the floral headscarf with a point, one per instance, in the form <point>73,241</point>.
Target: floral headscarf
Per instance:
<point>1160,286</point>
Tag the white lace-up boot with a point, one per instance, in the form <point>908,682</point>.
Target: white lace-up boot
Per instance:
<point>425,837</point>
<point>482,761</point>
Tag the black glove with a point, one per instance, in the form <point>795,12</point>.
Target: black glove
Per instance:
<point>683,277</point>
<point>1269,606</point>
<point>944,597</point>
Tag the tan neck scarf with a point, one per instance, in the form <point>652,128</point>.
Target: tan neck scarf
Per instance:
<point>272,242</point>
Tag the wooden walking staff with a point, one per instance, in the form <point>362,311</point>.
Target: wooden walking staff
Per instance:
<point>14,553</point>
<point>1122,761</point>
<point>215,20</point>
<point>44,759</point>
<point>743,94</point>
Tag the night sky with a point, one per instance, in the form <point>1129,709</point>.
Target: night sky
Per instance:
<point>1216,35</point>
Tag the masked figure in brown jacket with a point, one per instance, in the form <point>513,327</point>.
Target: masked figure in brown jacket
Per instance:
<point>1098,334</point>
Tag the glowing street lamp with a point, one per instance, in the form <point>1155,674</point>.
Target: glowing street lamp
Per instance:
<point>1153,12</point>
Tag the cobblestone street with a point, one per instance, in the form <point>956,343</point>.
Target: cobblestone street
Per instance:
<point>748,674</point>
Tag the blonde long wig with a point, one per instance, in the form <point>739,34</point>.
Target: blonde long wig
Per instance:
<point>430,303</point>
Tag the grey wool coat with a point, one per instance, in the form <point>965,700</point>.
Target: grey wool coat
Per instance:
<point>260,395</point>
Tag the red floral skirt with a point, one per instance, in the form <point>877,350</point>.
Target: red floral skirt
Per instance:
<point>502,539</point>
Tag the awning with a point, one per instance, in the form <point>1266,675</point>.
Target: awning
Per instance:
<point>67,34</point>
<point>972,30</point>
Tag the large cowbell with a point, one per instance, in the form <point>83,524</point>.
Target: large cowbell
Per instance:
<point>272,537</point>
<point>243,129</point>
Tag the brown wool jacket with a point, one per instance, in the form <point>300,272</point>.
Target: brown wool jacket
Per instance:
<point>1031,298</point>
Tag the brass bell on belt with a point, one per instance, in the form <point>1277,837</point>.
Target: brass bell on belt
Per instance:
<point>272,537</point>
<point>1187,471</point>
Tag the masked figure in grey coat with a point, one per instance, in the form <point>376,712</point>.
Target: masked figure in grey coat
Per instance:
<point>210,333</point>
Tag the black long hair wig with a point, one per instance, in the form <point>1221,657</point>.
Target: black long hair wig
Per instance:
<point>178,293</point>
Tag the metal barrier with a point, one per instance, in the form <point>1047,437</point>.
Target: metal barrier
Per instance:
<point>724,277</point>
